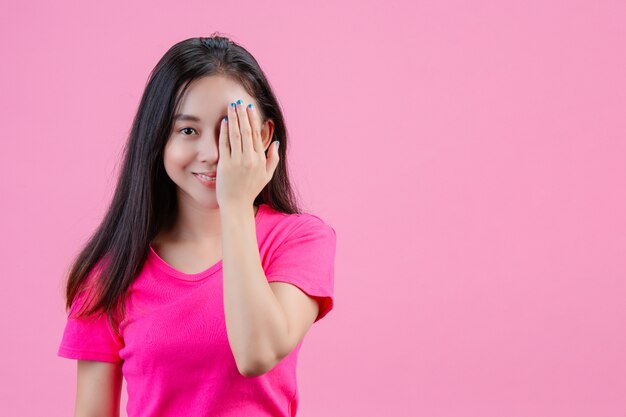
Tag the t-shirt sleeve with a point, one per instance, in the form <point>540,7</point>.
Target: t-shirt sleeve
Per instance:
<point>89,338</point>
<point>306,259</point>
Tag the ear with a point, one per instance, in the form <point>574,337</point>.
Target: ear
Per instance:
<point>267,132</point>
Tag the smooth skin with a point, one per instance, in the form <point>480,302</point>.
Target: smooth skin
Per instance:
<point>98,389</point>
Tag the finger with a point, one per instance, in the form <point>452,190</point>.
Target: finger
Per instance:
<point>233,132</point>
<point>224,145</point>
<point>273,159</point>
<point>255,124</point>
<point>244,128</point>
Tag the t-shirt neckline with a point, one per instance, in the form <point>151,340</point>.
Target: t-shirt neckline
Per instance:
<point>156,260</point>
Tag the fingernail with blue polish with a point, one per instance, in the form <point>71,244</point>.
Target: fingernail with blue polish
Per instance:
<point>238,101</point>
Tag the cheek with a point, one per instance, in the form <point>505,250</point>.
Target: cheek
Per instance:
<point>176,156</point>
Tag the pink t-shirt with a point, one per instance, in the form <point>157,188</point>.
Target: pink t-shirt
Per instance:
<point>176,357</point>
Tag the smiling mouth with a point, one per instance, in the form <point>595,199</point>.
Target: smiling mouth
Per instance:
<point>204,177</point>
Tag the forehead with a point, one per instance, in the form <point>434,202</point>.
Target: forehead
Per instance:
<point>213,93</point>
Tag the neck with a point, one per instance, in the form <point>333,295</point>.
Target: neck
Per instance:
<point>196,223</point>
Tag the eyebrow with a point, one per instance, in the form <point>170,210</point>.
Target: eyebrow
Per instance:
<point>187,117</point>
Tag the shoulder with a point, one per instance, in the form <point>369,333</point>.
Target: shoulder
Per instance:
<point>291,224</point>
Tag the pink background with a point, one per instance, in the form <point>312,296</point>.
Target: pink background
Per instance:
<point>470,155</point>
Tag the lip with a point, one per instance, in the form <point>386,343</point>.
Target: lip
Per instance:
<point>209,184</point>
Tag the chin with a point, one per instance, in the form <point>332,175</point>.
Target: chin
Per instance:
<point>206,199</point>
<point>209,203</point>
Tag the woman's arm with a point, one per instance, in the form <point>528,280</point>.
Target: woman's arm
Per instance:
<point>256,324</point>
<point>98,389</point>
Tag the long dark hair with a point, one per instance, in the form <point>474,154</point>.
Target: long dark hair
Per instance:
<point>144,201</point>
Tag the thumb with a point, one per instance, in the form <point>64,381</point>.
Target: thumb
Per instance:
<point>274,158</point>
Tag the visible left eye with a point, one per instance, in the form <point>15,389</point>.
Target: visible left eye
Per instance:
<point>187,128</point>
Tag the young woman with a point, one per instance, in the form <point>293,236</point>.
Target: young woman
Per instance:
<point>203,278</point>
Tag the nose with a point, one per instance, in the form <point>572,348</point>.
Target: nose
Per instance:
<point>208,147</point>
